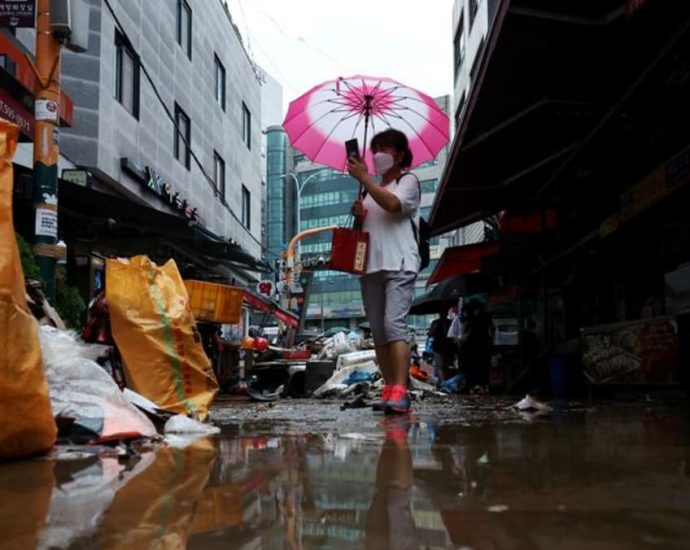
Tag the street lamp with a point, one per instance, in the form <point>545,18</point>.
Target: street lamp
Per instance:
<point>299,187</point>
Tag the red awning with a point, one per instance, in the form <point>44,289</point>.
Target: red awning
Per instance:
<point>461,260</point>
<point>267,306</point>
<point>25,76</point>
<point>533,222</point>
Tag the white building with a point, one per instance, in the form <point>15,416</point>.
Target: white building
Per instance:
<point>471,22</point>
<point>152,67</point>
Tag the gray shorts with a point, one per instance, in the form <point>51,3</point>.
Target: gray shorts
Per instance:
<point>387,296</point>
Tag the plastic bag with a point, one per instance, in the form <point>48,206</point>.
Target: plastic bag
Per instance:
<point>338,381</point>
<point>156,334</point>
<point>80,388</point>
<point>456,329</point>
<point>27,426</point>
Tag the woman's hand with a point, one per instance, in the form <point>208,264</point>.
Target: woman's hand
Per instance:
<point>357,168</point>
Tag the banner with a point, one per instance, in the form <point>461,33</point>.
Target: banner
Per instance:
<point>17,13</point>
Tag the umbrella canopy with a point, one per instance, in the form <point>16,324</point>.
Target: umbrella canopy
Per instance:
<point>319,122</point>
<point>446,293</point>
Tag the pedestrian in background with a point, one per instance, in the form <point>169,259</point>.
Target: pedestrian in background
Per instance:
<point>443,348</point>
<point>476,349</point>
<point>393,263</point>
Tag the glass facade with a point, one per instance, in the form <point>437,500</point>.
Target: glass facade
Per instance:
<point>276,193</point>
<point>326,199</point>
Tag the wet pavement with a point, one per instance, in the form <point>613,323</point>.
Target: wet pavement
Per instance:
<point>459,473</point>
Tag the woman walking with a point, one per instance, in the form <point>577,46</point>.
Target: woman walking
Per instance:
<point>388,212</point>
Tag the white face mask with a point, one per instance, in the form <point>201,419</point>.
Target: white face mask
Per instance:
<point>383,162</point>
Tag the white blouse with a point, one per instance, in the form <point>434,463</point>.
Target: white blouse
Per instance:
<point>392,244</point>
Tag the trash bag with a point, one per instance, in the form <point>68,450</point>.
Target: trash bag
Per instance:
<point>454,384</point>
<point>357,376</point>
<point>154,329</point>
<point>81,389</point>
<point>27,426</point>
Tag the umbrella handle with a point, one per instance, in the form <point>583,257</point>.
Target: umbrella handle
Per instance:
<point>367,108</point>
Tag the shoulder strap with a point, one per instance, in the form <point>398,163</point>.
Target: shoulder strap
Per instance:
<point>419,186</point>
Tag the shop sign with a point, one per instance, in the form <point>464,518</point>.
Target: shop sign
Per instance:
<point>154,183</point>
<point>23,75</point>
<point>17,13</point>
<point>609,225</point>
<point>265,288</point>
<point>642,195</point>
<point>14,111</point>
<point>642,352</point>
<point>78,177</point>
<point>657,185</point>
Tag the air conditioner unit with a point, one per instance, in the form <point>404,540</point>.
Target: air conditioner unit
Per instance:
<point>69,21</point>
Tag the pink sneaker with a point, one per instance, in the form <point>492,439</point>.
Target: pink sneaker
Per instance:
<point>385,396</point>
<point>399,401</point>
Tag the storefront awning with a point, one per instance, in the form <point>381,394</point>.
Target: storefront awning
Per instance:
<point>267,306</point>
<point>127,228</point>
<point>550,77</point>
<point>461,260</point>
<point>532,222</point>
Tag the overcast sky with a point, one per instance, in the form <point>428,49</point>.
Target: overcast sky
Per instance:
<point>301,43</point>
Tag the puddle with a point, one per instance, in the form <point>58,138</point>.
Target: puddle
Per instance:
<point>305,475</point>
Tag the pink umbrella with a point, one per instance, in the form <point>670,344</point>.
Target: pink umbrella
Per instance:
<point>319,122</point>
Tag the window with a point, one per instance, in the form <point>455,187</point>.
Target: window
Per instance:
<point>477,59</point>
<point>220,83</point>
<point>183,137</point>
<point>459,44</point>
<point>126,75</point>
<point>474,6</point>
<point>184,26</point>
<point>219,175</point>
<point>429,186</point>
<point>246,207</point>
<point>459,110</point>
<point>246,126</point>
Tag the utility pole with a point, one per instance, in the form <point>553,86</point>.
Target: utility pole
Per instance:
<point>46,152</point>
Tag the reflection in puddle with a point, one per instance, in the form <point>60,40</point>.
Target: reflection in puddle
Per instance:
<point>612,478</point>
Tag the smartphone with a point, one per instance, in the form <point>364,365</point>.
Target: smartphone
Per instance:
<point>352,148</point>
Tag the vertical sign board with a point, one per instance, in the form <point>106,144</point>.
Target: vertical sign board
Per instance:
<point>17,13</point>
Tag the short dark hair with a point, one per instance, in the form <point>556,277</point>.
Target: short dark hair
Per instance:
<point>395,139</point>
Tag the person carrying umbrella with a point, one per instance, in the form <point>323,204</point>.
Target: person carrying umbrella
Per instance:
<point>393,263</point>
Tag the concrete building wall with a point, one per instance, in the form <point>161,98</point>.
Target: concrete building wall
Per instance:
<point>104,131</point>
<point>474,33</point>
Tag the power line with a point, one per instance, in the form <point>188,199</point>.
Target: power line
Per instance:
<point>301,40</point>
<point>208,178</point>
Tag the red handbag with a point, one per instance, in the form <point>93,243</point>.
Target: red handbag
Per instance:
<point>349,250</point>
